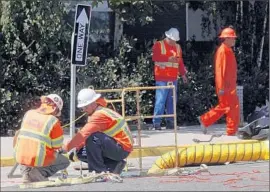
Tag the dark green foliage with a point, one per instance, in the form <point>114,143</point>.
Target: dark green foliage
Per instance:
<point>35,60</point>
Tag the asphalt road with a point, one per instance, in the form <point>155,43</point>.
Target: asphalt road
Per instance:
<point>243,176</point>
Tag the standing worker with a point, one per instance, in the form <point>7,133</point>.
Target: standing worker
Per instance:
<point>225,80</point>
<point>105,140</point>
<point>39,138</point>
<point>167,55</point>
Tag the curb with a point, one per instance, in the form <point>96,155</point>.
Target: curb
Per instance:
<point>153,151</point>
<point>145,152</point>
<point>7,161</point>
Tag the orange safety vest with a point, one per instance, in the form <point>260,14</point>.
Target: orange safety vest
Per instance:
<point>120,130</point>
<point>167,69</point>
<point>34,146</point>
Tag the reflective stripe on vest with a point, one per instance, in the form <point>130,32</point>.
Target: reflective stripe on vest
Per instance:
<point>121,124</point>
<point>39,161</point>
<point>58,142</point>
<point>163,48</point>
<point>43,137</point>
<point>163,52</point>
<point>166,64</point>
<point>36,136</point>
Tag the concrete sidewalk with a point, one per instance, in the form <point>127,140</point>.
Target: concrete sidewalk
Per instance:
<point>149,138</point>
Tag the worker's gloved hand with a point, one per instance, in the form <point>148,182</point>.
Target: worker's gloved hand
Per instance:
<point>185,80</point>
<point>61,150</point>
<point>221,92</point>
<point>71,156</point>
<point>173,59</point>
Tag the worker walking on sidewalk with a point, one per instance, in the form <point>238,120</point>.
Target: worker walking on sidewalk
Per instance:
<point>225,80</point>
<point>39,138</point>
<point>105,140</point>
<point>167,55</point>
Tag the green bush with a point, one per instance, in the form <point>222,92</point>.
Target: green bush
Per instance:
<point>35,60</point>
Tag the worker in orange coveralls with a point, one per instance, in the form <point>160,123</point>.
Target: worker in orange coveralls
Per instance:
<point>225,80</point>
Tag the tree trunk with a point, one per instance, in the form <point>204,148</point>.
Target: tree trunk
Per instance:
<point>259,60</point>
<point>252,28</point>
<point>237,13</point>
<point>241,12</point>
<point>241,24</point>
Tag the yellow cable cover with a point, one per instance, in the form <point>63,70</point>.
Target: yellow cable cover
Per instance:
<point>251,150</point>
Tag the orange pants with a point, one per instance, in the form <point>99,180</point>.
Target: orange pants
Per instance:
<point>228,105</point>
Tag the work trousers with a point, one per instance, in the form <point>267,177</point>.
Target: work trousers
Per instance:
<point>229,105</point>
<point>164,98</point>
<point>61,162</point>
<point>101,152</point>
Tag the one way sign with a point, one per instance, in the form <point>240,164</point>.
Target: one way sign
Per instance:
<point>81,35</point>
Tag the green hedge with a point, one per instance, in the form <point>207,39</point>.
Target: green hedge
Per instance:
<point>35,58</point>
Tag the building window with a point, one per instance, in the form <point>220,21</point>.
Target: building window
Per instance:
<point>102,24</point>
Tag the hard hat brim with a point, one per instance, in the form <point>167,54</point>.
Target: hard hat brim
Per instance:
<point>170,37</point>
<point>227,36</point>
<point>51,96</point>
<point>89,102</point>
<point>46,109</point>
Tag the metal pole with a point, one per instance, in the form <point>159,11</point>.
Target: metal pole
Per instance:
<point>175,127</point>
<point>72,94</point>
<point>187,4</point>
<point>139,129</point>
<point>269,60</point>
<point>123,103</point>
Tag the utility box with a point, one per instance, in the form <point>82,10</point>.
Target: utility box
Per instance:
<point>240,96</point>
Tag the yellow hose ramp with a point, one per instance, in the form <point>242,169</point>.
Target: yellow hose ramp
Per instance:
<point>251,150</point>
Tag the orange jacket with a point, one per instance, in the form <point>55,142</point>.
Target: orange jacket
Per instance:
<point>107,121</point>
<point>165,71</point>
<point>40,135</point>
<point>225,70</point>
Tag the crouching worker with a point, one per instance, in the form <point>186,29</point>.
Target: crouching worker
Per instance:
<point>39,139</point>
<point>105,140</point>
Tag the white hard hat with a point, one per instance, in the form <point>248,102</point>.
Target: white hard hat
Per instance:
<point>57,100</point>
<point>173,34</point>
<point>86,97</point>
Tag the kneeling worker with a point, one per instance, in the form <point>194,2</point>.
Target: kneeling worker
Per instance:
<point>39,138</point>
<point>105,140</point>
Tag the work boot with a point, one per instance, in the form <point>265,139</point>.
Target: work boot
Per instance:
<point>155,127</point>
<point>26,178</point>
<point>204,129</point>
<point>119,167</point>
<point>169,125</point>
<point>36,176</point>
<point>25,173</point>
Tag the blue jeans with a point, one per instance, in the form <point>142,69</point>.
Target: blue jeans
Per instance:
<point>164,97</point>
<point>101,152</point>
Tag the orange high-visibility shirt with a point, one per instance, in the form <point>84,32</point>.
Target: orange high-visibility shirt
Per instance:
<point>225,69</point>
<point>103,120</point>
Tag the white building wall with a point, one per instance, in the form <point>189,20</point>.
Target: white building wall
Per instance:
<point>194,25</point>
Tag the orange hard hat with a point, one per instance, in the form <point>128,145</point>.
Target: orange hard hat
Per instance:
<point>228,32</point>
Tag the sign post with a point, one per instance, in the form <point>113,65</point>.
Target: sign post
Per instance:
<point>79,49</point>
